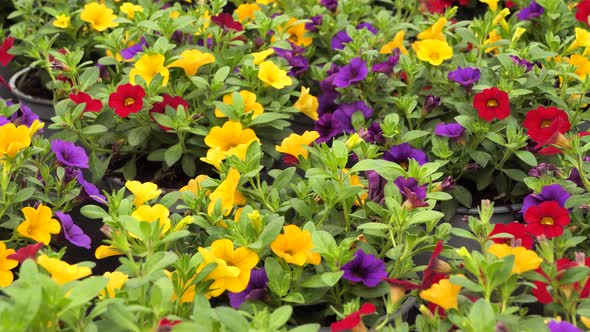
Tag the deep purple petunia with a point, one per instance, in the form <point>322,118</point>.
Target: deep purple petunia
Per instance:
<point>533,10</point>
<point>403,152</point>
<point>295,58</point>
<point>387,66</point>
<point>575,177</point>
<point>431,102</point>
<point>24,115</point>
<point>132,50</point>
<point>342,116</point>
<point>543,169</point>
<point>452,130</point>
<point>331,5</point>
<point>365,268</point>
<point>522,62</point>
<point>373,134</point>
<point>376,187</point>
<point>467,76</point>
<point>326,128</point>
<point>256,289</point>
<point>368,26</point>
<point>553,192</point>
<point>90,189</point>
<point>555,326</point>
<point>68,154</point>
<point>354,72</point>
<point>316,21</point>
<point>73,232</point>
<point>412,185</point>
<point>339,40</point>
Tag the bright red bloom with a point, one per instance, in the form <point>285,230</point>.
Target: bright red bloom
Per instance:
<point>509,4</point>
<point>437,6</point>
<point>563,264</point>
<point>430,275</point>
<point>545,123</point>
<point>517,230</point>
<point>547,218</point>
<point>354,319</point>
<point>491,104</point>
<point>28,252</point>
<point>92,105</point>
<point>168,100</point>
<point>583,11</point>
<point>128,99</point>
<point>226,21</point>
<point>166,325</point>
<point>6,57</point>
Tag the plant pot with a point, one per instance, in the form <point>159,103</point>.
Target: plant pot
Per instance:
<point>5,92</point>
<point>40,106</point>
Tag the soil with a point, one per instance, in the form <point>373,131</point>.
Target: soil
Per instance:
<point>32,83</point>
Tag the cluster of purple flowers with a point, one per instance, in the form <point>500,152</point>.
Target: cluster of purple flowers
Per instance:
<point>295,58</point>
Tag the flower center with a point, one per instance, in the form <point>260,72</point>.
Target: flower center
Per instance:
<point>547,221</point>
<point>546,123</point>
<point>404,165</point>
<point>434,55</point>
<point>129,101</point>
<point>492,103</point>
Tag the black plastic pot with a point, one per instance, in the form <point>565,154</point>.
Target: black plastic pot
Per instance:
<point>40,106</point>
<point>5,92</point>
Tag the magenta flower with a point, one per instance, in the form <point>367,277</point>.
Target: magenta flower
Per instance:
<point>553,192</point>
<point>132,50</point>
<point>555,326</point>
<point>403,152</point>
<point>452,130</point>
<point>412,185</point>
<point>354,72</point>
<point>316,21</point>
<point>256,289</point>
<point>68,154</point>
<point>533,10</point>
<point>73,232</point>
<point>467,76</point>
<point>387,66</point>
<point>331,5</point>
<point>365,268</point>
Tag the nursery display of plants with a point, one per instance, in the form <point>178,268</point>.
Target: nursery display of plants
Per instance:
<point>294,165</point>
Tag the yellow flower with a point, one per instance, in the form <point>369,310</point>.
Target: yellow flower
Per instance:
<point>116,281</point>
<point>192,60</point>
<point>38,224</point>
<point>492,4</point>
<point>13,139</point>
<point>355,180</point>
<point>296,33</point>
<point>99,16</point>
<point>582,40</point>
<point>433,51</point>
<point>307,104</point>
<point>143,191</point>
<point>6,276</point>
<point>443,293</point>
<point>353,141</point>
<point>194,185</point>
<point>105,251</point>
<point>148,66</point>
<point>188,293</point>
<point>493,37</point>
<point>150,214</point>
<point>214,157</point>
<point>265,2</point>
<point>62,21</point>
<point>435,31</point>
<point>130,9</point>
<point>35,126</point>
<point>582,65</point>
<point>262,55</point>
<point>229,135</point>
<point>397,42</point>
<point>501,19</point>
<point>250,104</point>
<point>294,246</point>
<point>239,151</point>
<point>294,144</point>
<point>62,272</point>
<point>274,76</point>
<point>228,193</point>
<point>246,11</point>
<point>585,321</point>
<point>233,267</point>
<point>518,33</point>
<point>524,259</point>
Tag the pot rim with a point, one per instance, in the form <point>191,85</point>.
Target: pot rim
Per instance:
<point>499,209</point>
<point>23,96</point>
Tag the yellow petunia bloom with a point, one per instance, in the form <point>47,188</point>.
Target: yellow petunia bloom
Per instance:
<point>294,144</point>
<point>524,259</point>
<point>585,321</point>
<point>246,11</point>
<point>148,66</point>
<point>296,33</point>
<point>143,191</point>
<point>62,272</point>
<point>35,126</point>
<point>233,267</point>
<point>116,281</point>
<point>214,157</point>
<point>130,9</point>
<point>501,19</point>
<point>99,16</point>
<point>262,55</point>
<point>158,212</point>
<point>444,293</point>
<point>493,37</point>
<point>104,251</point>
<point>582,65</point>
<point>307,104</point>
<point>435,31</point>
<point>265,2</point>
<point>229,135</point>
<point>294,246</point>
<point>433,51</point>
<point>518,33</point>
<point>194,185</point>
<point>6,276</point>
<point>250,104</point>
<point>492,4</point>
<point>38,224</point>
<point>228,193</point>
<point>274,76</point>
<point>62,21</point>
<point>397,42</point>
<point>192,60</point>
<point>188,293</point>
<point>13,139</point>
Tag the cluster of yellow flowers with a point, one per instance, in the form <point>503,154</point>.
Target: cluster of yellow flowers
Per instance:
<point>432,45</point>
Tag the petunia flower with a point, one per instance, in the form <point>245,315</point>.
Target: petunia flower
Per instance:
<point>524,260</point>
<point>192,60</point>
<point>522,62</point>
<point>229,136</point>
<point>92,105</point>
<point>6,265</point>
<point>26,252</point>
<point>433,51</point>
<point>330,5</point>
<point>466,77</point>
<point>147,67</point>
<point>131,51</point>
<point>168,101</point>
<point>452,130</point>
<point>583,11</point>
<point>116,281</point>
<point>271,74</point>
<point>226,22</point>
<point>491,104</point>
<point>396,43</point>
<point>104,251</point>
<point>6,57</point>
<point>294,246</point>
<point>262,55</point>
<point>435,31</point>
<point>316,21</point>
<point>545,124</point>
<point>296,33</point>
<point>412,185</point>
<point>150,214</point>
<point>307,104</point>
<point>246,11</point>
<point>555,326</point>
<point>365,268</point>
<point>99,16</point>
<point>62,272</point>
<point>356,71</point>
<point>73,232</point>
<point>127,99</point>
<point>13,139</point>
<point>387,66</point>
<point>248,100</point>
<point>69,154</point>
<point>582,287</point>
<point>443,293</point>
<point>294,144</point>
<point>403,152</point>
<point>256,289</point>
<point>62,21</point>
<point>518,232</point>
<point>376,187</point>
<point>227,192</point>
<point>130,9</point>
<point>554,192</point>
<point>575,177</point>
<point>353,322</point>
<point>430,103</point>
<point>38,224</point>
<point>143,192</point>
<point>295,59</point>
<point>90,189</point>
<point>547,218</point>
<point>543,169</point>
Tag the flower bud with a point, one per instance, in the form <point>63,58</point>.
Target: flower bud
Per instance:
<point>353,141</point>
<point>254,217</point>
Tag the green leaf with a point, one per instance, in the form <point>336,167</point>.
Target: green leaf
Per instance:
<point>462,195</point>
<point>294,297</point>
<point>138,135</point>
<point>159,261</point>
<point>515,174</point>
<point>327,279</point>
<point>426,216</point>
<point>414,134</point>
<point>573,275</point>
<point>94,212</point>
<point>84,291</point>
<point>94,129</point>
<point>480,157</point>
<point>374,226</point>
<point>221,74</point>
<point>306,328</point>
<point>23,194</point>
<point>279,317</point>
<point>527,157</point>
<point>231,319</point>
<point>173,154</point>
<point>482,316</point>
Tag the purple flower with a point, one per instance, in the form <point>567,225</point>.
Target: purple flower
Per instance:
<point>555,326</point>
<point>373,134</point>
<point>24,115</point>
<point>326,128</point>
<point>576,178</point>
<point>316,21</point>
<point>533,10</point>
<point>552,192</point>
<point>452,130</point>
<point>73,232</point>
<point>387,66</point>
<point>296,60</point>
<point>256,289</point>
<point>376,187</point>
<point>339,40</point>
<point>403,152</point>
<point>467,76</point>
<point>132,50</point>
<point>69,154</point>
<point>431,102</point>
<point>412,185</point>
<point>90,189</point>
<point>364,268</point>
<point>522,62</point>
<point>331,5</point>
<point>367,26</point>
<point>354,72</point>
<point>543,169</point>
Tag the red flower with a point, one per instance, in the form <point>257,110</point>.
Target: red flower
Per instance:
<point>28,252</point>
<point>166,325</point>
<point>354,319</point>
<point>547,218</point>
<point>6,57</point>
<point>583,11</point>
<point>92,105</point>
<point>168,100</point>
<point>544,124</point>
<point>128,99</point>
<point>227,22</point>
<point>518,231</point>
<point>431,275</point>
<point>492,103</point>
<point>563,264</point>
<point>437,6</point>
<point>509,4</point>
